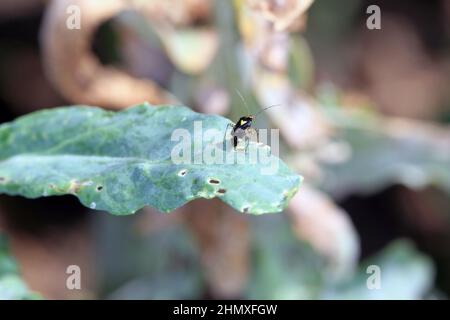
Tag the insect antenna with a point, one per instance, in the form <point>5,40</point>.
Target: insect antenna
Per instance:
<point>275,105</point>
<point>243,100</point>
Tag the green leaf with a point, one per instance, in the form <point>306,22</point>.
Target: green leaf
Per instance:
<point>286,268</point>
<point>404,273</point>
<point>121,161</point>
<point>7,263</point>
<point>163,263</point>
<point>383,151</point>
<point>301,63</point>
<point>379,160</point>
<point>12,286</point>
<point>290,269</point>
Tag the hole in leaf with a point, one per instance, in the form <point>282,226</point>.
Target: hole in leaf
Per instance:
<point>214,181</point>
<point>182,173</point>
<point>99,188</point>
<point>245,210</point>
<point>222,191</point>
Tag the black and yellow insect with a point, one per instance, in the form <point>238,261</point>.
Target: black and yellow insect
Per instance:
<point>243,127</point>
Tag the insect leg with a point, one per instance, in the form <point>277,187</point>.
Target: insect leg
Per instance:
<point>253,132</point>
<point>247,142</point>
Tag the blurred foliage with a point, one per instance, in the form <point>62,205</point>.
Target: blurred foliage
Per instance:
<point>12,286</point>
<point>379,151</point>
<point>164,265</point>
<point>405,274</point>
<point>289,269</point>
<point>161,265</point>
<point>332,131</point>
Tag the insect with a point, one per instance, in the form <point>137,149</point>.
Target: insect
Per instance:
<point>243,127</point>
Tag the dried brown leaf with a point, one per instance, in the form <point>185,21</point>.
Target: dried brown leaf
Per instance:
<point>76,72</point>
<point>319,221</point>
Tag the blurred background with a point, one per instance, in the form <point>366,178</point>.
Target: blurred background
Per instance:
<point>364,117</point>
